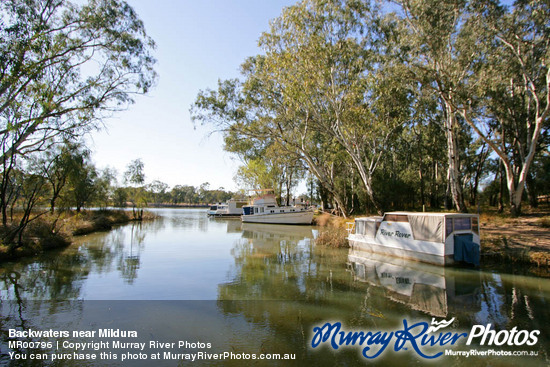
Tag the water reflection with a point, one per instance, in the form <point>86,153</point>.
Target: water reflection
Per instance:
<point>372,292</point>
<point>61,274</point>
<point>436,290</point>
<point>233,225</point>
<point>281,262</point>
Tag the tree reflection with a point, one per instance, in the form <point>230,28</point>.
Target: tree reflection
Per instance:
<point>60,274</point>
<point>129,263</point>
<point>283,282</point>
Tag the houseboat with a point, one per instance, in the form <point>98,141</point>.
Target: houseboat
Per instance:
<point>264,209</point>
<point>436,238</point>
<point>233,208</point>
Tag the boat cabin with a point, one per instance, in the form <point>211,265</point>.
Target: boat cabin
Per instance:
<point>439,238</point>
<point>264,209</point>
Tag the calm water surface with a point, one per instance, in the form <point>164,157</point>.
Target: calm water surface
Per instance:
<point>252,288</point>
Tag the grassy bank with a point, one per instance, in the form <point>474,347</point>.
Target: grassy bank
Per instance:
<point>57,231</point>
<point>332,230</point>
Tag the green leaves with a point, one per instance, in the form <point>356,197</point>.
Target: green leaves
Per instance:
<point>65,66</point>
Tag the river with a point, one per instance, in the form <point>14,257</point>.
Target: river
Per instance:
<point>219,286</point>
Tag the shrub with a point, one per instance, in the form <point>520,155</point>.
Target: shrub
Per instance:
<point>544,222</point>
<point>334,237</point>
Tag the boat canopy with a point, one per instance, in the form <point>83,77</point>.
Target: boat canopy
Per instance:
<point>427,227</point>
<point>431,227</point>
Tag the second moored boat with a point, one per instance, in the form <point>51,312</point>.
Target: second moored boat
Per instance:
<point>233,208</point>
<point>264,209</point>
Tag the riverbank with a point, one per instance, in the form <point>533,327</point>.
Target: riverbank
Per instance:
<point>524,240</point>
<point>57,231</point>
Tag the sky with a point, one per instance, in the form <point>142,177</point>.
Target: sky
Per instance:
<point>198,43</point>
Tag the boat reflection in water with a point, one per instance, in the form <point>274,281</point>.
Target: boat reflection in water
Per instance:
<point>279,232</point>
<point>423,287</point>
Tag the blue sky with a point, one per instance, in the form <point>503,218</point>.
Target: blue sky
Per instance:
<point>198,42</point>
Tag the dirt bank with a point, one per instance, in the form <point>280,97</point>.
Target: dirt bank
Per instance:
<point>525,239</point>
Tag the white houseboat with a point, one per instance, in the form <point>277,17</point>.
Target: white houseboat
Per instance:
<point>233,208</point>
<point>437,238</point>
<point>264,209</point>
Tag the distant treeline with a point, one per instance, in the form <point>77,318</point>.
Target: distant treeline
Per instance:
<point>394,104</point>
<point>158,194</point>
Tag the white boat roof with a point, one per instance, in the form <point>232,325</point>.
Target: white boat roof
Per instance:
<point>437,214</point>
<point>427,214</point>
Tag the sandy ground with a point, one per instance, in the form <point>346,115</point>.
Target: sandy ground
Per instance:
<point>517,235</point>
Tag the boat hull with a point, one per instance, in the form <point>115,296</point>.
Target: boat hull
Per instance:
<point>360,243</point>
<point>302,217</point>
<point>224,215</point>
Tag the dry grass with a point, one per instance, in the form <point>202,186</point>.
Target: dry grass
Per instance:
<point>329,220</point>
<point>334,232</point>
<point>94,221</point>
<point>41,234</point>
<point>334,237</point>
<point>544,222</point>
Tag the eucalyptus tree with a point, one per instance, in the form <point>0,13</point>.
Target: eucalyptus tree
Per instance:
<point>135,176</point>
<point>105,187</point>
<point>257,173</point>
<point>334,68</point>
<point>58,164</point>
<point>32,188</point>
<point>83,184</point>
<point>273,169</point>
<point>253,115</point>
<point>512,105</point>
<point>158,190</point>
<point>183,194</point>
<point>63,66</point>
<point>441,57</point>
<point>317,91</point>
<point>423,147</point>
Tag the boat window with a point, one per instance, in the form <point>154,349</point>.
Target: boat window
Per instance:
<point>366,228</point>
<point>213,207</point>
<point>272,211</point>
<point>256,210</point>
<point>461,224</point>
<point>427,227</point>
<point>396,218</point>
<point>448,226</point>
<point>261,210</point>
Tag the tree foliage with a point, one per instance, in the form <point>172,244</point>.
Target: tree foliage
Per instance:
<point>64,67</point>
<point>409,100</point>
